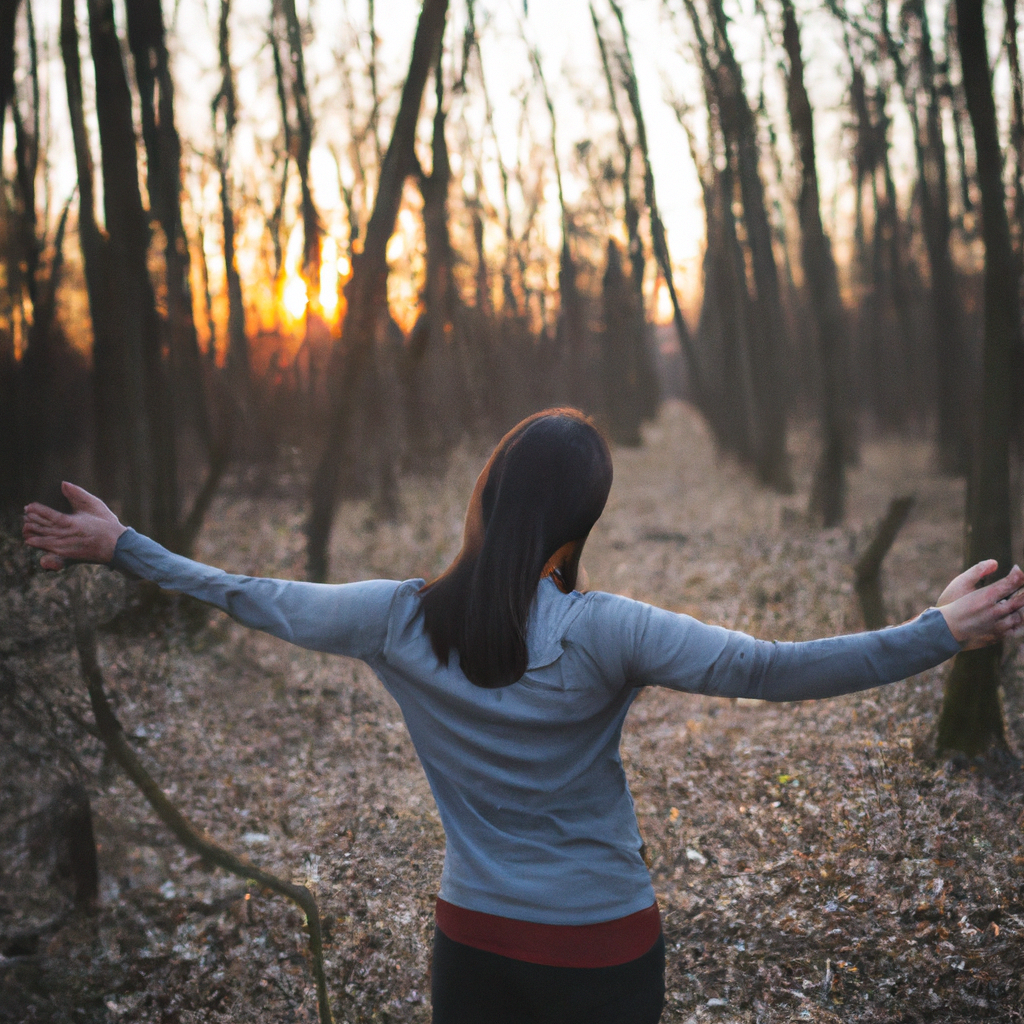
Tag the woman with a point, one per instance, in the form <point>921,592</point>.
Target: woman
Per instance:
<point>514,687</point>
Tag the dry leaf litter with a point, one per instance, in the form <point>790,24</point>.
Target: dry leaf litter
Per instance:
<point>812,861</point>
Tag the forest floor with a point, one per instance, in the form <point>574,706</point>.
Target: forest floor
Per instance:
<point>812,861</point>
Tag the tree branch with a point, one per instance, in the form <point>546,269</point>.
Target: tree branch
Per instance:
<point>111,733</point>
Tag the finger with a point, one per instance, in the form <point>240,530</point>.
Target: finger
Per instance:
<point>1011,623</point>
<point>48,530</point>
<point>977,572</point>
<point>81,500</point>
<point>44,514</point>
<point>1012,581</point>
<point>52,562</point>
<point>57,546</point>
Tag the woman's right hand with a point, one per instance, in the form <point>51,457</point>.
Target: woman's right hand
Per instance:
<point>979,616</point>
<point>88,534</point>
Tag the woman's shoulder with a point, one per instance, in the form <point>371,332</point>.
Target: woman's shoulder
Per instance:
<point>608,624</point>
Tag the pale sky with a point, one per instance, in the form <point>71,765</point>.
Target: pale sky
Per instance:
<point>562,31</point>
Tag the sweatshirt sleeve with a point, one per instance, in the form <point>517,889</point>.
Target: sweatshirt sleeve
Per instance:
<point>349,619</point>
<point>676,651</point>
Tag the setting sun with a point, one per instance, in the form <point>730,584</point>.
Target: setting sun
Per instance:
<point>294,296</point>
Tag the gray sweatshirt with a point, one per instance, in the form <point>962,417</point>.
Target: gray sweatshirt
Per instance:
<point>528,780</point>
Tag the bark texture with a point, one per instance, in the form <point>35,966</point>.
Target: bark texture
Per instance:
<point>971,719</point>
<point>828,497</point>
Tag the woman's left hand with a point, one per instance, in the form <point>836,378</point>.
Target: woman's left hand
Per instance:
<point>983,616</point>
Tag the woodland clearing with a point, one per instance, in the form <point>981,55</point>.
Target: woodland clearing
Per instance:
<point>812,861</point>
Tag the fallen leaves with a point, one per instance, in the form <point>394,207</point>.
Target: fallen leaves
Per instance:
<point>790,845</point>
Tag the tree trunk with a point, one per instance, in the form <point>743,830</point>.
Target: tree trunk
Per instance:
<point>971,719</point>
<point>147,41</point>
<point>1016,128</point>
<point>648,390</point>
<point>304,145</point>
<point>571,330</point>
<point>933,185</point>
<point>8,371</point>
<point>224,119</point>
<point>150,496</point>
<point>769,338</point>
<point>829,490</point>
<point>367,290</point>
<point>108,452</point>
<point>659,240</point>
<point>619,348</point>
<point>433,425</point>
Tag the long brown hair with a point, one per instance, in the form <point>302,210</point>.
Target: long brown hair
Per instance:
<point>543,488</point>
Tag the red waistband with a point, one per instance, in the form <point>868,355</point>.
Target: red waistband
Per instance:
<point>605,944</point>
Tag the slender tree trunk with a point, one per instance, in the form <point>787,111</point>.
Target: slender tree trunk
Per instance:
<point>1016,130</point>
<point>8,15</point>
<point>146,38</point>
<point>367,289</point>
<point>971,719</point>
<point>769,339</point>
<point>511,300</point>
<point>933,184</point>
<point>8,369</point>
<point>618,347</point>
<point>439,295</point>
<point>431,427</point>
<point>890,266</point>
<point>151,494</point>
<point>107,360</point>
<point>304,145</point>
<point>659,239</point>
<point>224,119</point>
<point>647,397</point>
<point>571,330</point>
<point>829,490</point>
<point>26,160</point>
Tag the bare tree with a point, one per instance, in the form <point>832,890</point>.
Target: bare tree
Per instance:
<point>146,38</point>
<point>828,492</point>
<point>971,719</point>
<point>225,117</point>
<point>921,92</point>
<point>94,245</point>
<point>643,401</point>
<point>367,291</point>
<point>285,23</point>
<point>150,487</point>
<point>769,339</point>
<point>659,239</point>
<point>513,257</point>
<point>8,369</point>
<point>571,330</point>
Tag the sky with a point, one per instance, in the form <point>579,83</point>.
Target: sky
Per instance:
<point>562,32</point>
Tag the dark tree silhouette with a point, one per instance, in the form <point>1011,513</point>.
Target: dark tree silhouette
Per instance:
<point>225,117</point>
<point>828,494</point>
<point>286,23</point>
<point>769,339</point>
<point>971,719</point>
<point>146,429</point>
<point>146,38</point>
<point>659,239</point>
<point>921,91</point>
<point>354,373</point>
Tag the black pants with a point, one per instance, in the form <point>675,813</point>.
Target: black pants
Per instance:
<point>472,986</point>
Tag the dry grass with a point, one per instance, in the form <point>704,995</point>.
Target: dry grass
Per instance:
<point>812,861</point>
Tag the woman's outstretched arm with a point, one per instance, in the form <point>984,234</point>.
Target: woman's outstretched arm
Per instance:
<point>645,645</point>
<point>349,619</point>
